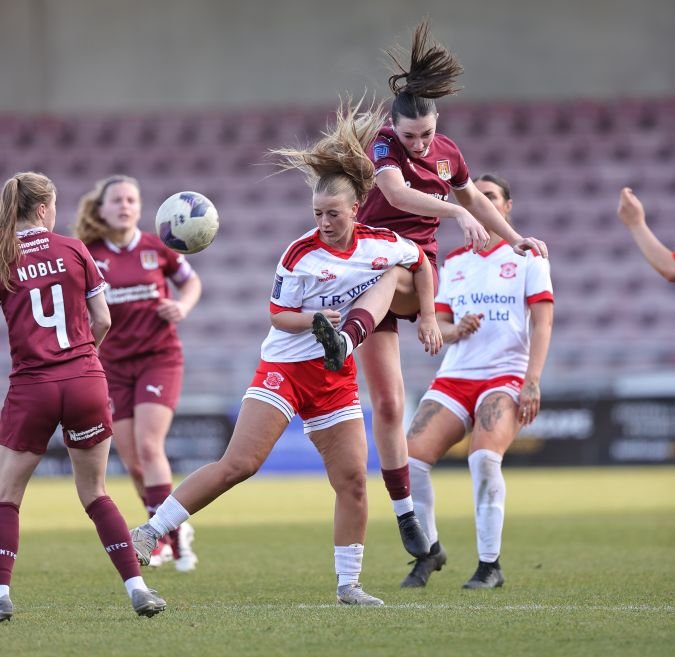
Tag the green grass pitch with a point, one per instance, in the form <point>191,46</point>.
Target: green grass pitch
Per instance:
<point>588,555</point>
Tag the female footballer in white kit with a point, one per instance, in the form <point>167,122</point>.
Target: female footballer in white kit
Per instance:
<point>488,381</point>
<point>319,279</point>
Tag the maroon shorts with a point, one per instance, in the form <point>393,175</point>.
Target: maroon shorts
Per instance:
<point>32,412</point>
<point>390,321</point>
<point>155,379</point>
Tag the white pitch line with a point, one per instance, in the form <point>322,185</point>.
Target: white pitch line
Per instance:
<point>525,607</point>
<point>403,605</point>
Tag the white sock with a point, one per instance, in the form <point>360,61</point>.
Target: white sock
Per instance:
<point>348,341</point>
<point>423,497</point>
<point>4,590</point>
<point>489,495</point>
<point>134,583</point>
<point>403,506</point>
<point>170,515</point>
<point>348,561</point>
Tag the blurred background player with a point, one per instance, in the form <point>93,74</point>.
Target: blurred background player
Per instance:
<point>142,354</point>
<point>319,277</point>
<point>657,254</point>
<point>416,168</point>
<point>51,295</point>
<point>489,379</point>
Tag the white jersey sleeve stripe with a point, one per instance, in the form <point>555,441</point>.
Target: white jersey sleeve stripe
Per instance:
<point>183,272</point>
<point>385,167</point>
<point>97,290</point>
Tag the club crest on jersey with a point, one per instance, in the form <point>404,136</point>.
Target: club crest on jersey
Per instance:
<point>443,168</point>
<point>326,276</point>
<point>103,265</point>
<point>149,260</point>
<point>276,290</point>
<point>380,263</point>
<point>380,150</point>
<point>273,380</point>
<point>508,270</point>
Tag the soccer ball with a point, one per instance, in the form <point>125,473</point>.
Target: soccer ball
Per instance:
<point>187,222</point>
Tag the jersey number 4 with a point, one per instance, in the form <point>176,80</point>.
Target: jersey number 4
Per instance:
<point>57,320</point>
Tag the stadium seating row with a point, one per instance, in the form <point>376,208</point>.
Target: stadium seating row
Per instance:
<point>566,163</point>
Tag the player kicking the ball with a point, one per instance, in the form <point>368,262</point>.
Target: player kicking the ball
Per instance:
<point>318,280</point>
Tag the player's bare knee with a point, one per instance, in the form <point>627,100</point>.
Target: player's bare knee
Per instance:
<point>233,471</point>
<point>389,409</point>
<point>351,484</point>
<point>148,453</point>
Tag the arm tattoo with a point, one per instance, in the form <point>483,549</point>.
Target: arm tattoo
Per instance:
<point>531,390</point>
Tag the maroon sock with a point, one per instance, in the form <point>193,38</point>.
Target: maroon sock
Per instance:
<point>173,542</point>
<point>358,325</point>
<point>114,534</point>
<point>155,495</point>
<point>9,540</point>
<point>397,482</point>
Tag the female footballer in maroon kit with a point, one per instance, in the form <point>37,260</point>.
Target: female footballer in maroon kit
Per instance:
<point>416,169</point>
<point>142,355</point>
<point>51,296</point>
<point>319,282</point>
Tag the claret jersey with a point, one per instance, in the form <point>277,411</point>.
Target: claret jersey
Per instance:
<point>137,278</point>
<point>312,276</point>
<point>501,285</point>
<point>46,310</point>
<point>441,169</point>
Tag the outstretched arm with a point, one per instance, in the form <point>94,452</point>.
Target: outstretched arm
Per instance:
<point>480,207</point>
<point>656,253</point>
<point>428,331</point>
<point>399,195</point>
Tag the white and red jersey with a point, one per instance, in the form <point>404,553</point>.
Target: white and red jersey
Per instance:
<point>312,276</point>
<point>501,285</point>
<point>46,311</point>
<point>137,277</point>
<point>442,168</point>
